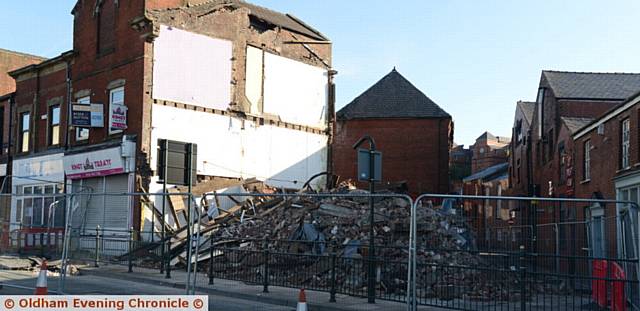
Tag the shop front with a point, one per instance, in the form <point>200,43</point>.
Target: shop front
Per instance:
<point>37,214</point>
<point>98,180</point>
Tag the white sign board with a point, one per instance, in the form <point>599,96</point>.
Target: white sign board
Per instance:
<point>94,164</point>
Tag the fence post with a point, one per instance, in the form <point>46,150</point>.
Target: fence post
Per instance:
<point>167,258</point>
<point>41,244</point>
<point>332,295</point>
<point>523,278</point>
<point>97,245</point>
<point>265,277</point>
<point>130,250</point>
<point>211,263</point>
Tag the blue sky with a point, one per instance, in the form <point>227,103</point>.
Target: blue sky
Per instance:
<point>473,58</point>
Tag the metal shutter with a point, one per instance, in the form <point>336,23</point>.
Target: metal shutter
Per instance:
<point>93,211</point>
<point>117,208</point>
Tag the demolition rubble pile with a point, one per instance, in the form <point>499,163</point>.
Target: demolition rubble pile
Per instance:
<point>340,225</point>
<point>238,234</point>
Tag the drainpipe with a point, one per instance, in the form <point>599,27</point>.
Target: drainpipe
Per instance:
<point>68,129</point>
<point>331,113</point>
<point>33,139</point>
<point>12,103</point>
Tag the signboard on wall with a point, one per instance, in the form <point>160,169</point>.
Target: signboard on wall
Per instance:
<point>83,115</point>
<point>94,164</point>
<point>118,117</point>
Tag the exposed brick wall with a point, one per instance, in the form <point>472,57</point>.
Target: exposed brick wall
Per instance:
<point>10,61</point>
<point>414,150</point>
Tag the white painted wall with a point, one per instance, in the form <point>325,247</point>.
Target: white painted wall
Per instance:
<point>192,68</point>
<point>281,157</point>
<point>295,91</point>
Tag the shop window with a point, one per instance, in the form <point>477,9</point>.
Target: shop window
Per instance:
<point>37,208</point>
<point>25,126</point>
<point>82,133</point>
<point>54,125</point>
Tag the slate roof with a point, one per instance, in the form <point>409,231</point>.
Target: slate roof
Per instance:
<point>286,21</point>
<point>592,85</point>
<point>575,124</point>
<point>489,172</point>
<point>392,97</point>
<point>527,108</point>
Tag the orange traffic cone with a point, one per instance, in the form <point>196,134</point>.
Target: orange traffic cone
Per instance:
<point>302,301</point>
<point>41,284</point>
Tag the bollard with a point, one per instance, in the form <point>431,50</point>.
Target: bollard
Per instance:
<point>167,259</point>
<point>130,250</point>
<point>523,279</point>
<point>97,246</point>
<point>211,263</point>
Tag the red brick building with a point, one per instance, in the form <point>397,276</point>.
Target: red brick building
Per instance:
<point>577,95</point>
<point>566,103</point>
<point>489,150</point>
<point>130,69</point>
<point>607,157</point>
<point>519,156</point>
<point>413,133</point>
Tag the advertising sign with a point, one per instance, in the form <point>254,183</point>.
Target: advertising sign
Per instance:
<point>97,115</point>
<point>94,164</point>
<point>118,117</point>
<point>81,115</point>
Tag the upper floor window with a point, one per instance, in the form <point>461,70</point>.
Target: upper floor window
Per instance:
<point>116,100</point>
<point>562,156</point>
<point>82,133</point>
<point>25,126</point>
<point>624,144</point>
<point>587,160</point>
<point>54,125</point>
<point>106,18</point>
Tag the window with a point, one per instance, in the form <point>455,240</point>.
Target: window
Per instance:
<point>624,144</point>
<point>116,98</point>
<point>587,160</point>
<point>1,130</point>
<point>25,119</point>
<point>562,157</point>
<point>54,125</point>
<point>106,16</point>
<point>81,132</point>
<point>550,146</point>
<point>37,208</point>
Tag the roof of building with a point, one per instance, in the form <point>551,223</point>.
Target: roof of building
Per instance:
<point>527,109</point>
<point>592,85</point>
<point>488,173</point>
<point>392,97</point>
<point>286,21</point>
<point>26,55</point>
<point>575,124</point>
<point>494,139</point>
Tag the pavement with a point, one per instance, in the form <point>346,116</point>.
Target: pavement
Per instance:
<point>280,296</point>
<point>22,283</point>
